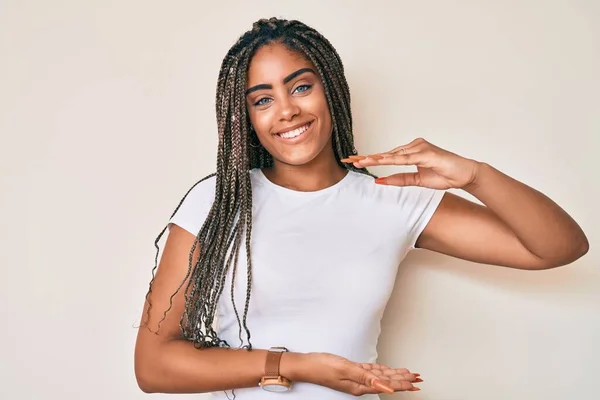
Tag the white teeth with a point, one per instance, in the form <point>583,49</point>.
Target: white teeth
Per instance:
<point>295,132</point>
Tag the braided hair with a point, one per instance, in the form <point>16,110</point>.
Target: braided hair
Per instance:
<point>220,237</point>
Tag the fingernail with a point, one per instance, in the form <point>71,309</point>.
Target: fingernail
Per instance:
<point>347,160</point>
<point>417,375</point>
<point>418,380</point>
<point>414,389</point>
<point>377,384</point>
<point>381,181</point>
<point>357,157</point>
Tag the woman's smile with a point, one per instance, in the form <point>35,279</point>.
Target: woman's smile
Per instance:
<point>295,134</point>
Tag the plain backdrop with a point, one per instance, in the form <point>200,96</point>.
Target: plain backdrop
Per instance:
<point>107,118</point>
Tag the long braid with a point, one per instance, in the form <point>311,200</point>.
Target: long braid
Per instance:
<point>230,216</point>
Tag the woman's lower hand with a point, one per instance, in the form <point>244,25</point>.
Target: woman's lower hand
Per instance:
<point>346,376</point>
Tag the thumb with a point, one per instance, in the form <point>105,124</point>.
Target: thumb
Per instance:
<point>402,179</point>
<point>379,385</point>
<point>369,379</point>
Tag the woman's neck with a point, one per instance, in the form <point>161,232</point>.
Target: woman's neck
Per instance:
<point>316,175</point>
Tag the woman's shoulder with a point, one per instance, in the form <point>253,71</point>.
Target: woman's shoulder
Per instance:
<point>194,206</point>
<point>203,188</point>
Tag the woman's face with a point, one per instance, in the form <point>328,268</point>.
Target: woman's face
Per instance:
<point>287,106</point>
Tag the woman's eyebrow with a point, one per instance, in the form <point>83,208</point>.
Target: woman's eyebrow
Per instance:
<point>285,80</point>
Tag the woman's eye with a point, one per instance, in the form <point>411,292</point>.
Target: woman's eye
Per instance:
<point>262,101</point>
<point>302,88</point>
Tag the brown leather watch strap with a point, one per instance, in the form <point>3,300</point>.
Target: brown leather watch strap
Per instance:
<point>273,360</point>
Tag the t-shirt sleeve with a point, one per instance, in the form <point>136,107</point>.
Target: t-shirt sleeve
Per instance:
<point>419,205</point>
<point>195,206</point>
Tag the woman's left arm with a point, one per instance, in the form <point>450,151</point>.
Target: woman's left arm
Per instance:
<point>518,227</point>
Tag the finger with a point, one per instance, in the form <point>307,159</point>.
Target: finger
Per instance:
<point>367,378</point>
<point>381,386</point>
<point>401,179</point>
<point>365,161</point>
<point>410,157</point>
<point>409,148</point>
<point>383,367</point>
<point>351,160</point>
<point>403,151</point>
<point>402,377</point>
<point>401,371</point>
<point>359,390</point>
<point>401,385</point>
<point>406,149</point>
<point>398,370</point>
<point>414,143</point>
<point>417,157</point>
<point>396,386</point>
<point>412,146</point>
<point>357,158</point>
<point>385,370</point>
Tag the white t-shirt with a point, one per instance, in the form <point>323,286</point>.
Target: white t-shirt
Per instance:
<point>323,267</point>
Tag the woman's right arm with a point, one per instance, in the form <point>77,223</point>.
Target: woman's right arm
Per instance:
<point>167,363</point>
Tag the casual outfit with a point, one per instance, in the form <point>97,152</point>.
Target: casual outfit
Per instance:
<point>324,265</point>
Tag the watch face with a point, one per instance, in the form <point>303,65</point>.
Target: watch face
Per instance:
<point>275,388</point>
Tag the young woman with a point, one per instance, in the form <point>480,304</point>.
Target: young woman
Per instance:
<point>277,269</point>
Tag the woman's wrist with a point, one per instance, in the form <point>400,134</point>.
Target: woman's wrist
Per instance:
<point>293,366</point>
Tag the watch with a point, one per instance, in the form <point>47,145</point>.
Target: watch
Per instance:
<point>272,381</point>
